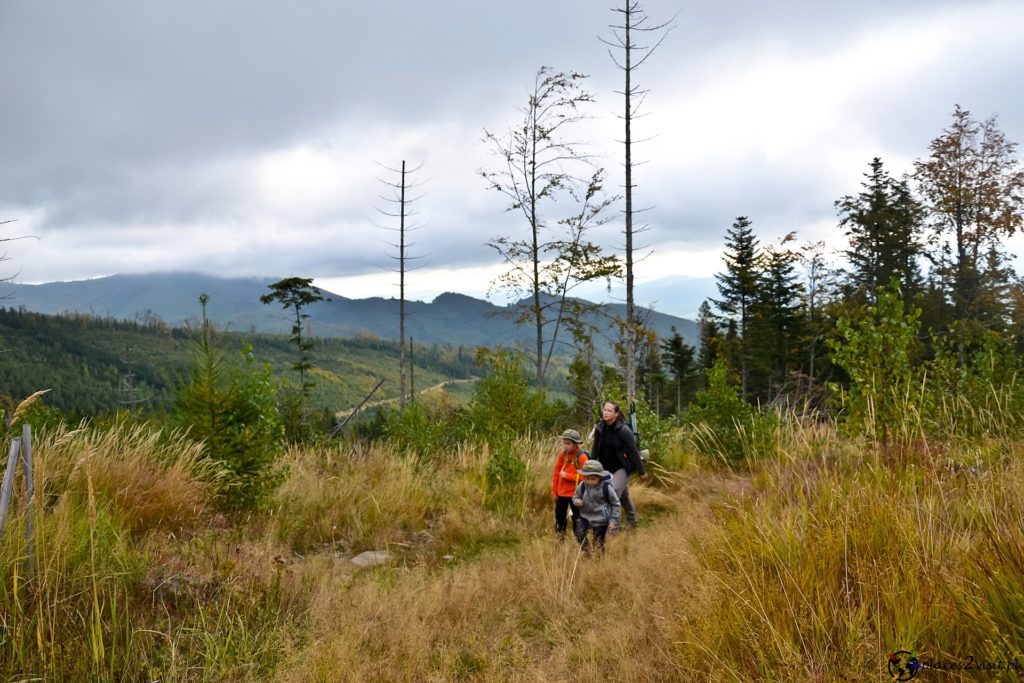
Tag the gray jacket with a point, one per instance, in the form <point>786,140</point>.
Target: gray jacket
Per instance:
<point>598,510</point>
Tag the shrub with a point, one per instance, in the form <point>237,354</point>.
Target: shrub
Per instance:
<point>975,392</point>
<point>506,481</point>
<point>724,426</point>
<point>874,347</point>
<point>504,406</point>
<point>423,429</point>
<point>299,424</point>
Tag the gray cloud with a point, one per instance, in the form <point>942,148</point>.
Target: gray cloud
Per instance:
<point>241,137</point>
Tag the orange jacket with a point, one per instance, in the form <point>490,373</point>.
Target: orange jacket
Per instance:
<point>568,463</point>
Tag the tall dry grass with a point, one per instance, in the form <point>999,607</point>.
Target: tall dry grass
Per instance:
<point>812,565</point>
<point>137,578</point>
<point>846,552</point>
<point>356,498</point>
<point>151,479</point>
<point>67,609</point>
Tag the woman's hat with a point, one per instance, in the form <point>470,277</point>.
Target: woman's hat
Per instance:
<point>592,467</point>
<point>572,435</point>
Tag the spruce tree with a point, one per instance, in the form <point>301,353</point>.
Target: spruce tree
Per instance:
<point>679,361</point>
<point>883,224</point>
<point>738,287</point>
<point>778,322</point>
<point>710,337</point>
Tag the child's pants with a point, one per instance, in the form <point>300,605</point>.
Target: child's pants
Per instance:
<point>562,505</point>
<point>582,527</point>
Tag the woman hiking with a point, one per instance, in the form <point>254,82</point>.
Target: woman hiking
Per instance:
<point>615,448</point>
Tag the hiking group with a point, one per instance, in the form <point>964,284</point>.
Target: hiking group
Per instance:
<point>595,485</point>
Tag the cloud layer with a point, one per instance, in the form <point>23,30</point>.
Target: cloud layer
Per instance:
<point>245,138</point>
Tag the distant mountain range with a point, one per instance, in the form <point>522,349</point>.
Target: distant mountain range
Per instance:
<point>234,303</point>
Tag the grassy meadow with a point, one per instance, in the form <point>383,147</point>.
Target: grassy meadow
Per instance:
<point>811,565</point>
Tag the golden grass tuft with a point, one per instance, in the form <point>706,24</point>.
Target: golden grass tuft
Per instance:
<point>25,405</point>
<point>350,499</point>
<point>152,480</point>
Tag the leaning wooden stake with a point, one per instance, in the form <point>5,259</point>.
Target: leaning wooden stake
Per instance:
<point>5,492</point>
<point>337,430</point>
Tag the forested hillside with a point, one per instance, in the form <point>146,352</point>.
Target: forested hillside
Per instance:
<point>92,365</point>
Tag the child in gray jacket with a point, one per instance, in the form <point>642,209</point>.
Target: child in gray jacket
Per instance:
<point>598,505</point>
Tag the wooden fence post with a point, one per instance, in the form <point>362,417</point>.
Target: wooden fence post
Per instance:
<point>30,488</point>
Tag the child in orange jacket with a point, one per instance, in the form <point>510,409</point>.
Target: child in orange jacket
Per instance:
<point>566,477</point>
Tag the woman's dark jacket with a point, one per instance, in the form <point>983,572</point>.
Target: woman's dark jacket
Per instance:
<point>615,448</point>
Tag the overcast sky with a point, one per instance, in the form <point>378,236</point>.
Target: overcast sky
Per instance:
<point>243,137</point>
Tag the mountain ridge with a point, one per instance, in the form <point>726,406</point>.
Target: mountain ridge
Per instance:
<point>172,298</point>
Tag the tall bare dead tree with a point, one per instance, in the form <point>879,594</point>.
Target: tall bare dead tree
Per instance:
<point>400,208</point>
<point>634,24</point>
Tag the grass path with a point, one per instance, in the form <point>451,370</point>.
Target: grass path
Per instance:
<point>535,611</point>
<point>783,575</point>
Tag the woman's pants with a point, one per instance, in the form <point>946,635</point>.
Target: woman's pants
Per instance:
<point>620,482</point>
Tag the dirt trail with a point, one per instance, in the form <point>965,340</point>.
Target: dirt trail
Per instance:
<point>389,401</point>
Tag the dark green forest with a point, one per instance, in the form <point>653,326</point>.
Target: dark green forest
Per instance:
<point>95,365</point>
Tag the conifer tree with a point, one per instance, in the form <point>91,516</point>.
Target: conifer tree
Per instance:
<point>777,327</point>
<point>297,293</point>
<point>710,337</point>
<point>738,287</point>
<point>883,224</point>
<point>679,361</point>
<point>650,374</point>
